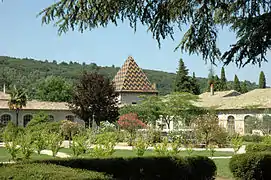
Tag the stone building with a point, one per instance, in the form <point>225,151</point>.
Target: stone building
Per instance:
<point>56,111</point>
<point>235,109</point>
<point>131,82</point>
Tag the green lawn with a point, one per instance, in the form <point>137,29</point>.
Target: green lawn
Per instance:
<point>5,156</point>
<point>223,169</point>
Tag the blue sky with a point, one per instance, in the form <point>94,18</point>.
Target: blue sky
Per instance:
<point>22,35</point>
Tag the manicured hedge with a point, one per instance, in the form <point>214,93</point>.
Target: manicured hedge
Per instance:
<point>251,166</point>
<point>253,138</point>
<point>258,147</point>
<point>46,171</point>
<point>146,167</point>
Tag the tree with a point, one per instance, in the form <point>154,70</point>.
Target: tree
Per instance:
<point>18,100</point>
<point>146,109</point>
<point>182,80</point>
<point>131,123</point>
<point>262,80</point>
<point>177,107</point>
<point>236,85</point>
<point>207,128</point>
<point>244,87</point>
<point>195,85</point>
<point>217,83</point>
<point>223,80</point>
<point>250,21</point>
<point>55,89</point>
<point>95,98</point>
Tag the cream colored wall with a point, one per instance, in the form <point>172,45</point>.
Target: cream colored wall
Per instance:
<point>239,116</point>
<point>128,98</point>
<point>58,115</point>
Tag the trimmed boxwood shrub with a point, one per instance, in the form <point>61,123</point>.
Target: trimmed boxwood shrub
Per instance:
<point>253,138</point>
<point>46,171</point>
<point>258,147</point>
<point>251,166</point>
<point>146,167</point>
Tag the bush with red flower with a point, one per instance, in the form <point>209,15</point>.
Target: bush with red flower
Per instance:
<point>131,123</point>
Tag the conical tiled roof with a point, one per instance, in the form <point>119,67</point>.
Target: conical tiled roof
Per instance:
<point>131,78</point>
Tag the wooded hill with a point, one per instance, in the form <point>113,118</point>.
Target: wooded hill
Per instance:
<point>29,72</point>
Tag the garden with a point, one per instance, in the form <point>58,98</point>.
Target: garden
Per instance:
<point>137,151</point>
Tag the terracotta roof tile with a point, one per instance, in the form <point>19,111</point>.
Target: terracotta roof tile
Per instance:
<point>131,78</point>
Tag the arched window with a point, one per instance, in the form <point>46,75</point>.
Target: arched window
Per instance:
<point>230,125</point>
<point>70,118</point>
<point>27,118</point>
<point>5,118</point>
<point>248,122</point>
<point>51,118</point>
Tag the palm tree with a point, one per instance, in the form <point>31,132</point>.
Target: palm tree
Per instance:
<point>18,100</point>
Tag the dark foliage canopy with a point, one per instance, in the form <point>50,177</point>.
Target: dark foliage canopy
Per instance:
<point>237,85</point>
<point>262,80</point>
<point>250,20</point>
<point>95,96</point>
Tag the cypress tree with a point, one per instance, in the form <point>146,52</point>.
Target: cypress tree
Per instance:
<point>236,84</point>
<point>244,87</point>
<point>217,85</point>
<point>182,80</point>
<point>223,80</point>
<point>195,85</point>
<point>262,80</point>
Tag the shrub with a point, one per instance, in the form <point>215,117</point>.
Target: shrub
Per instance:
<point>26,144</point>
<point>253,138</point>
<point>161,149</point>
<point>140,146</point>
<point>10,136</point>
<point>79,144</point>
<point>69,129</point>
<point>175,147</point>
<point>211,148</point>
<point>131,124</point>
<point>188,168</point>
<point>36,171</point>
<point>267,140</point>
<point>251,166</point>
<point>104,144</point>
<point>154,136</point>
<point>54,141</point>
<point>236,142</point>
<point>258,147</point>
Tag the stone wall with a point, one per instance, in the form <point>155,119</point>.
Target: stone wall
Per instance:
<point>58,115</point>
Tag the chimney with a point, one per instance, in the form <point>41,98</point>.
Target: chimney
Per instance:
<point>154,85</point>
<point>4,88</point>
<point>212,89</point>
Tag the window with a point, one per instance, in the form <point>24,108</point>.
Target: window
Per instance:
<point>248,121</point>
<point>231,125</point>
<point>133,102</point>
<point>70,118</point>
<point>51,118</point>
<point>27,118</point>
<point>5,118</point>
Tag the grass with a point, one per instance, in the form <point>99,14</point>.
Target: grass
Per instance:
<point>5,156</point>
<point>223,169</point>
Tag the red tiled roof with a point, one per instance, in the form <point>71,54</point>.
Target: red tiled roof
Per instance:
<point>131,78</point>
